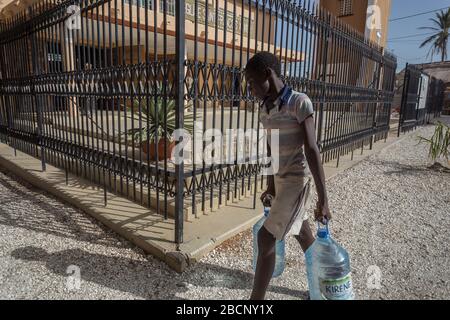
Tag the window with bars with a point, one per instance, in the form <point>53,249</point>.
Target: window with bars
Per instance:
<point>345,7</point>
<point>170,7</point>
<point>141,3</point>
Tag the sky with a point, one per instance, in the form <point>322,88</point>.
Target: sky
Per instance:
<point>407,49</point>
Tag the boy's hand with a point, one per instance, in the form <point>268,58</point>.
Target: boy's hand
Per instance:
<point>264,194</point>
<point>322,212</point>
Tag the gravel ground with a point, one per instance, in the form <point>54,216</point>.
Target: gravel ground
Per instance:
<point>391,212</point>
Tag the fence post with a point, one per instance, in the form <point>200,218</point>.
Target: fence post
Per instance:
<point>35,98</point>
<point>179,117</point>
<point>419,95</point>
<point>404,98</point>
<point>2,95</point>
<point>9,141</point>
<point>377,87</point>
<point>441,100</point>
<point>324,79</point>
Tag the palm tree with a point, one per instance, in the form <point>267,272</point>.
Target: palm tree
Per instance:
<point>439,39</point>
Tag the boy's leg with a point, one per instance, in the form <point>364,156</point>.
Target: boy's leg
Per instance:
<point>305,237</point>
<point>265,264</point>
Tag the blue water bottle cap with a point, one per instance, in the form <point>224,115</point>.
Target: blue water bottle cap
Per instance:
<point>323,233</point>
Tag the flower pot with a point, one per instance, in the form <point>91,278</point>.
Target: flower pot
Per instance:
<point>149,147</point>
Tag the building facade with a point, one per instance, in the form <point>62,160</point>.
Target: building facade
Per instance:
<point>369,17</point>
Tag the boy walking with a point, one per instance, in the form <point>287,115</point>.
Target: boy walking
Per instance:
<point>291,113</point>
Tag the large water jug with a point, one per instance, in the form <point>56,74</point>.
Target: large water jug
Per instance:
<point>279,247</point>
<point>328,269</point>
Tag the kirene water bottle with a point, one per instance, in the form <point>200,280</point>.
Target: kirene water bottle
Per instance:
<point>279,247</point>
<point>328,269</point>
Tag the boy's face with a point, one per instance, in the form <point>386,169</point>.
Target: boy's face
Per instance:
<point>258,83</point>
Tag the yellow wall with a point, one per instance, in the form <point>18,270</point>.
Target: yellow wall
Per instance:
<point>357,20</point>
<point>359,17</point>
<point>385,12</point>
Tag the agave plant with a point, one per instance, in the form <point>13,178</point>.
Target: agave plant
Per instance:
<point>439,142</point>
<point>157,119</point>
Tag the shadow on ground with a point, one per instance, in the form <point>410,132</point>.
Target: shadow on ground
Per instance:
<point>143,278</point>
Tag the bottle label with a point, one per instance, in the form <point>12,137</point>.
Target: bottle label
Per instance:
<point>337,289</point>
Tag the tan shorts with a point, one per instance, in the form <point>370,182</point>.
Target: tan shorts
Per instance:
<point>289,206</point>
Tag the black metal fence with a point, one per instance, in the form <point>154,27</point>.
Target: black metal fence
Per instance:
<point>97,87</point>
<point>422,98</point>
<point>435,99</point>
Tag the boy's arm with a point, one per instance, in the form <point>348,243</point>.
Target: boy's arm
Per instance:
<point>315,165</point>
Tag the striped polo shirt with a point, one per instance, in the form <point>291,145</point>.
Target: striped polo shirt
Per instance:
<point>290,109</point>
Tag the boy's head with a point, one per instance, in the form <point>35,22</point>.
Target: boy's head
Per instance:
<point>260,72</point>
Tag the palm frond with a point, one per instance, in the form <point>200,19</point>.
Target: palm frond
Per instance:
<point>428,40</point>
<point>439,40</point>
<point>429,28</point>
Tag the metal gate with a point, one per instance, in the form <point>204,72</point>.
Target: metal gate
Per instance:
<point>422,99</point>
<point>410,99</point>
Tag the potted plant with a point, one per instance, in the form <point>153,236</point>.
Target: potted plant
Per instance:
<point>157,126</point>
